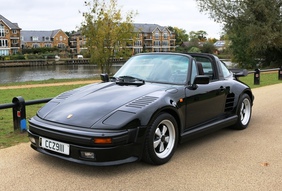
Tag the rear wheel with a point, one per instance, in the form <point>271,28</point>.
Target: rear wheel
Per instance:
<point>244,112</point>
<point>161,140</point>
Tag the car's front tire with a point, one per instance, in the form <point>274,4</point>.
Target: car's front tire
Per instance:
<point>244,112</point>
<point>161,140</point>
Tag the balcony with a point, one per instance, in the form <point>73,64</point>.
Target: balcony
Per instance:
<point>14,37</point>
<point>17,45</point>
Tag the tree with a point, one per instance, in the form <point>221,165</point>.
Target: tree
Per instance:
<point>180,35</point>
<point>254,28</point>
<point>108,34</point>
<point>208,47</point>
<point>200,35</point>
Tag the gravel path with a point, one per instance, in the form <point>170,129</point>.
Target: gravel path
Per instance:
<point>225,160</point>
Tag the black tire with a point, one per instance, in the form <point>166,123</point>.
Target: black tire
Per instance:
<point>161,140</point>
<point>244,112</point>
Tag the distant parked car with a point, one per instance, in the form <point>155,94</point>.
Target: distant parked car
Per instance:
<point>57,58</point>
<point>79,56</point>
<point>153,103</point>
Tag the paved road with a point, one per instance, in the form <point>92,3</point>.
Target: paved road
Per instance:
<point>226,160</point>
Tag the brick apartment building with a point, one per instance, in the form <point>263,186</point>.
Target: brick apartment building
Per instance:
<point>13,39</point>
<point>39,39</point>
<point>10,33</point>
<point>149,38</point>
<point>153,38</point>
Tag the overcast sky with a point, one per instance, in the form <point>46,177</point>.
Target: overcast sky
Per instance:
<point>64,14</point>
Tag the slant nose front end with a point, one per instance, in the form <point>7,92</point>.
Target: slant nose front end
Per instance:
<point>99,148</point>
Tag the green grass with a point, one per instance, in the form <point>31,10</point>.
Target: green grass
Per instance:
<point>49,81</point>
<point>269,78</point>
<point>7,135</point>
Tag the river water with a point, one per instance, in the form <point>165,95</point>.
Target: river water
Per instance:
<point>38,73</point>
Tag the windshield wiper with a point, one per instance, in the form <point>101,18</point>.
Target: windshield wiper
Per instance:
<point>129,80</point>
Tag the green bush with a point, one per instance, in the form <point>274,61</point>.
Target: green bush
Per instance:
<point>17,57</point>
<point>39,50</point>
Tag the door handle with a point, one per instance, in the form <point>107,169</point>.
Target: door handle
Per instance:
<point>222,88</point>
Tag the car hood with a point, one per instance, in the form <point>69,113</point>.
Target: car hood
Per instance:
<point>83,107</point>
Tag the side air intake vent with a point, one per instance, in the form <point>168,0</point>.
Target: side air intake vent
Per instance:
<point>229,102</point>
<point>142,102</point>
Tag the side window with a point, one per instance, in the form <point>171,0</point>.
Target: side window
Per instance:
<point>224,70</point>
<point>207,67</point>
<point>194,71</point>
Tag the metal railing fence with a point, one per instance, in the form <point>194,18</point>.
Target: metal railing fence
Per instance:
<point>18,104</point>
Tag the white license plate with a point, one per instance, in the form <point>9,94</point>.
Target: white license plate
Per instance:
<point>56,146</point>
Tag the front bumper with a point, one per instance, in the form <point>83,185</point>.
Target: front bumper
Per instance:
<point>127,145</point>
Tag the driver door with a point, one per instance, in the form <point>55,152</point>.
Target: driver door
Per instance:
<point>207,101</point>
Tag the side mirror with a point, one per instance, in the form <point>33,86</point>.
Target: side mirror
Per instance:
<point>104,77</point>
<point>200,79</point>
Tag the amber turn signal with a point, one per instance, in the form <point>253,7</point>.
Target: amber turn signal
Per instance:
<point>102,140</point>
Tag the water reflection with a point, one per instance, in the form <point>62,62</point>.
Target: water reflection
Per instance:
<point>37,73</point>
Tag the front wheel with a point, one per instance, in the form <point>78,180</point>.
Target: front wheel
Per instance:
<point>161,140</point>
<point>244,112</point>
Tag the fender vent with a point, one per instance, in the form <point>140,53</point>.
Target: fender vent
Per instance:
<point>229,102</point>
<point>142,102</point>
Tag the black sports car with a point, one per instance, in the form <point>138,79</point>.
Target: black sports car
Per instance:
<point>153,103</point>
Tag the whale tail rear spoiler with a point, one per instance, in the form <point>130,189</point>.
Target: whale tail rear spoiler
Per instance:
<point>239,72</point>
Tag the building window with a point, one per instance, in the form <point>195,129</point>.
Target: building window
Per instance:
<point>15,51</point>
<point>165,43</point>
<point>48,45</point>
<point>2,30</point>
<point>138,43</point>
<point>35,45</point>
<point>157,43</point>
<point>34,38</point>
<point>61,45</point>
<point>156,35</point>
<point>165,35</point>
<point>15,31</point>
<point>47,38</point>
<point>145,35</point>
<point>14,42</point>
<point>61,38</point>
<point>137,50</point>
<point>4,52</point>
<point>3,43</point>
<point>139,35</point>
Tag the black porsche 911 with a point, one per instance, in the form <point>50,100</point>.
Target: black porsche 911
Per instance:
<point>154,102</point>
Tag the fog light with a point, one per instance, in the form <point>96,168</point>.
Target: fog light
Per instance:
<point>32,140</point>
<point>87,155</point>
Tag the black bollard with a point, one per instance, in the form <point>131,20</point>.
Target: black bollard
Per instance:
<point>19,114</point>
<point>257,77</point>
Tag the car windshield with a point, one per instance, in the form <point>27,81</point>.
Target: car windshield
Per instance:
<point>169,68</point>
